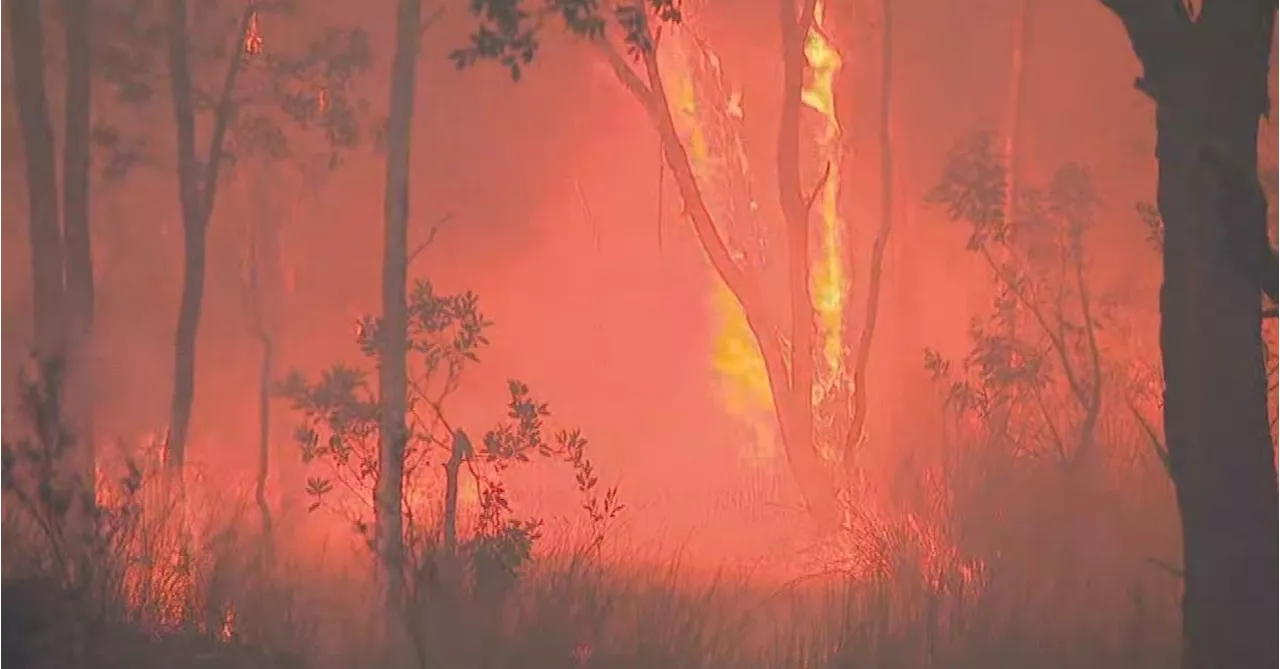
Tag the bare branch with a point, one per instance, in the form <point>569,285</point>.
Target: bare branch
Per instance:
<point>630,80</point>
<point>431,237</point>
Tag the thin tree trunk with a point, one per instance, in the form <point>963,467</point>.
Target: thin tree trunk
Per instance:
<point>264,436</point>
<point>1013,113</point>
<point>26,40</point>
<point>78,248</point>
<point>392,373</point>
<point>875,272</point>
<point>262,286</point>
<point>198,187</point>
<point>795,212</point>
<point>1208,78</point>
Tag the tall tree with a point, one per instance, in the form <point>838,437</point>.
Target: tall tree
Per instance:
<point>392,372</point>
<point>875,273</point>
<point>78,259</point>
<point>26,43</point>
<point>198,186</point>
<point>1207,74</point>
<point>62,264</point>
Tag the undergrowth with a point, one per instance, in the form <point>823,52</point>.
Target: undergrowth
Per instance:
<point>145,582</point>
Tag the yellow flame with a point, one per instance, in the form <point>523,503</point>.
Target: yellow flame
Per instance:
<point>828,277</point>
<point>735,355</point>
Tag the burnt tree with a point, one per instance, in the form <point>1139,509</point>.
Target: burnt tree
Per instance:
<point>1207,74</point>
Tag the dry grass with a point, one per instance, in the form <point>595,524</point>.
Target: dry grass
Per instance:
<point>221,603</point>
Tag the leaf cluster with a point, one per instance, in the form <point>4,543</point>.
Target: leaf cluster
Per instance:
<point>510,31</point>
<point>1035,358</point>
<point>341,429</point>
<point>287,95</point>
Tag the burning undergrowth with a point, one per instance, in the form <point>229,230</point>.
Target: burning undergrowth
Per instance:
<point>139,579</point>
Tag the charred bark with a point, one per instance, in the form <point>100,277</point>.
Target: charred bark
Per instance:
<point>197,189</point>
<point>26,40</point>
<point>1208,78</point>
<point>392,360</point>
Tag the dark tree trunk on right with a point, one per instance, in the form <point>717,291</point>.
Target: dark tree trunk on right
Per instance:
<point>1208,78</point>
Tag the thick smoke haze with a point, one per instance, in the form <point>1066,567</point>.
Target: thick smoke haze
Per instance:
<point>548,201</point>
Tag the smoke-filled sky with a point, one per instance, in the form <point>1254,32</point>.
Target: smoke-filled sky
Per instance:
<point>601,297</point>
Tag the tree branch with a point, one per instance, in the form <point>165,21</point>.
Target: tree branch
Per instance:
<point>1160,32</point>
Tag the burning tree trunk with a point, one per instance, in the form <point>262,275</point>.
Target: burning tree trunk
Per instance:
<point>790,374</point>
<point>26,35</point>
<point>509,35</point>
<point>197,188</point>
<point>392,373</point>
<point>1208,78</point>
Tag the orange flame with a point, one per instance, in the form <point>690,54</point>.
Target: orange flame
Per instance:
<point>253,37</point>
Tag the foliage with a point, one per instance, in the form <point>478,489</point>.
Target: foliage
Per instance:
<point>43,473</point>
<point>287,96</point>
<point>510,30</point>
<point>1036,359</point>
<point>340,430</point>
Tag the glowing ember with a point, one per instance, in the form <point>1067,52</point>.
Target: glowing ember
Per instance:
<point>228,624</point>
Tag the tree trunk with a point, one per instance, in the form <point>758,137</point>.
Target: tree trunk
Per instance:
<point>26,40</point>
<point>1208,78</point>
<point>875,269</point>
<point>1013,114</point>
<point>792,401</point>
<point>392,373</point>
<point>197,188</point>
<point>75,214</point>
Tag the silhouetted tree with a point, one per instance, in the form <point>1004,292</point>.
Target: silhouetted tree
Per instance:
<point>62,265</point>
<point>393,329</point>
<point>258,87</point>
<point>1207,74</point>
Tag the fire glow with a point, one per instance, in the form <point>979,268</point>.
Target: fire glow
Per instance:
<point>704,118</point>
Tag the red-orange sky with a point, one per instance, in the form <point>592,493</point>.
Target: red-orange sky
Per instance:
<point>552,185</point>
